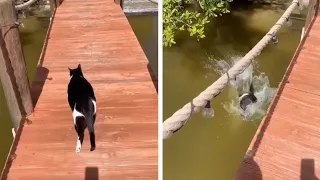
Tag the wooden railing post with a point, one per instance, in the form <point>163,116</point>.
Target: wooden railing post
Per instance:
<point>13,72</point>
<point>121,3</point>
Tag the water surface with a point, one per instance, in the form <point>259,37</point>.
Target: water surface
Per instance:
<point>213,148</point>
<point>145,28</point>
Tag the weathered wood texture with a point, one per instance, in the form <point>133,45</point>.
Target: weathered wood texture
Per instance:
<point>287,143</point>
<point>13,70</point>
<point>96,34</point>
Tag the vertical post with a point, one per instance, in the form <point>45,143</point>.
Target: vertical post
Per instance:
<point>13,72</point>
<point>302,34</point>
<point>121,4</point>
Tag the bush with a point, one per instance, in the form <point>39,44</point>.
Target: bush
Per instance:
<point>177,16</point>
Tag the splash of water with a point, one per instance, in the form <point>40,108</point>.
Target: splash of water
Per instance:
<point>241,84</point>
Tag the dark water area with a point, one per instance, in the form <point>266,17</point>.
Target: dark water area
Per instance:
<point>213,148</point>
<point>145,28</point>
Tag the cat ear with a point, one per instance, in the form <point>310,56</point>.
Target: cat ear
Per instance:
<point>79,66</point>
<point>69,69</point>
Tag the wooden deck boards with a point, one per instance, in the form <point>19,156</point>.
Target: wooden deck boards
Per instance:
<point>96,34</point>
<point>287,143</point>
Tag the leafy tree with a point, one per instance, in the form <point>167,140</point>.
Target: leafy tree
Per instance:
<point>178,16</point>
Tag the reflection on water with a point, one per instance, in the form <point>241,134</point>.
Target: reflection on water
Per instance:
<point>32,37</point>
<point>209,149</point>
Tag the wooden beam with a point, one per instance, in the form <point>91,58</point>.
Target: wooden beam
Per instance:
<point>121,3</point>
<point>13,72</point>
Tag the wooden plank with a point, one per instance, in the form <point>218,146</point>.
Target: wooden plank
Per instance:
<point>287,143</point>
<point>101,39</point>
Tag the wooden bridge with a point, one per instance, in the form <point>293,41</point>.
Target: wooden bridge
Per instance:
<point>97,35</point>
<point>287,142</point>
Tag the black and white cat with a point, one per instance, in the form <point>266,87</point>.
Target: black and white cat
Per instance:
<point>83,106</point>
<point>247,98</point>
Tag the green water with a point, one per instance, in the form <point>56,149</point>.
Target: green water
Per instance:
<point>32,37</point>
<point>145,28</point>
<point>212,149</point>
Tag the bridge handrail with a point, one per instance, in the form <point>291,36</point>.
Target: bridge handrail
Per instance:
<point>181,116</point>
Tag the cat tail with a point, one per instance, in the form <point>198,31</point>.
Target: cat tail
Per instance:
<point>251,89</point>
<point>253,97</point>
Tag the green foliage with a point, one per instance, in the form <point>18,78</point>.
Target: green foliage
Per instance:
<point>177,17</point>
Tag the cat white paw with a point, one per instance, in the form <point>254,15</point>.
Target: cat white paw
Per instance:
<point>78,147</point>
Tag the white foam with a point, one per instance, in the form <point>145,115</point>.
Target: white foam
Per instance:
<point>241,85</point>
